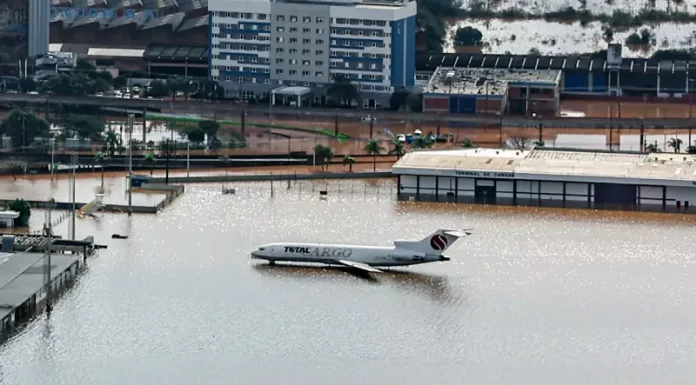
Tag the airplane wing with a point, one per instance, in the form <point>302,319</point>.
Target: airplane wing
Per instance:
<point>459,233</point>
<point>359,266</point>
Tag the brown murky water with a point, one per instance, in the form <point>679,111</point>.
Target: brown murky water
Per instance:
<point>534,297</point>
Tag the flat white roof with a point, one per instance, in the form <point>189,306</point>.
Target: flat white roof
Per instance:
<point>292,90</point>
<point>556,164</point>
<point>116,52</point>
<point>9,214</point>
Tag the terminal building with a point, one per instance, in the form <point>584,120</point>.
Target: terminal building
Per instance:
<point>289,52</point>
<point>551,177</point>
<point>493,91</point>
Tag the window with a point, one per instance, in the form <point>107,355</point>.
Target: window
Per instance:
<point>261,16</point>
<point>306,30</point>
<point>292,72</point>
<point>320,31</point>
<point>293,50</point>
<point>279,50</point>
<point>320,19</point>
<point>373,66</point>
<point>293,29</point>
<point>318,52</point>
<point>360,44</point>
<point>279,39</point>
<point>306,19</point>
<point>279,71</point>
<point>305,62</point>
<point>334,31</point>
<point>293,61</point>
<point>319,63</point>
<point>280,18</point>
<point>293,19</point>
<point>319,41</point>
<point>318,74</point>
<point>279,61</point>
<point>305,73</point>
<point>280,29</point>
<point>306,41</point>
<point>293,40</point>
<point>360,65</point>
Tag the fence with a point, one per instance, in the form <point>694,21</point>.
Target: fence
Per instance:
<point>321,189</point>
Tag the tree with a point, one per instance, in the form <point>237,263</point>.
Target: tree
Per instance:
<point>24,209</point>
<point>121,81</point>
<point>112,141</point>
<point>691,149</point>
<point>100,159</point>
<point>608,34</point>
<point>422,142</point>
<point>210,127</point>
<point>85,126</point>
<point>676,144</point>
<point>652,147</point>
<point>342,91</point>
<point>23,127</point>
<point>149,160</point>
<point>323,154</point>
<point>398,99</point>
<point>209,89</point>
<point>467,143</point>
<point>195,135</point>
<point>157,89</point>
<point>397,148</point>
<point>468,36</point>
<point>373,148</point>
<point>348,161</point>
<point>73,84</point>
<point>520,144</point>
<point>539,143</point>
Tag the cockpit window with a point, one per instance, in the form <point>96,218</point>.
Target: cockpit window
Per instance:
<point>261,248</point>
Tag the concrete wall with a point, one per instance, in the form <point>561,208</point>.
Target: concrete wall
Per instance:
<point>279,177</point>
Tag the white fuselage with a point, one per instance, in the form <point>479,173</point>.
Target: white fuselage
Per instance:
<point>330,253</point>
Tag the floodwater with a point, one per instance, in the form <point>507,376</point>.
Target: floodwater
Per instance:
<point>86,189</point>
<point>535,296</point>
<point>555,38</point>
<point>606,7</point>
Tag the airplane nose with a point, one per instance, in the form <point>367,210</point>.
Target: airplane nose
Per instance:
<point>255,254</point>
<point>443,258</point>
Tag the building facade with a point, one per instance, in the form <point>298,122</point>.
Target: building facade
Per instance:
<point>23,32</point>
<point>275,44</point>
<point>552,178</point>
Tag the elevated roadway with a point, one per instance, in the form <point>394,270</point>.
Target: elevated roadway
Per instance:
<point>231,111</point>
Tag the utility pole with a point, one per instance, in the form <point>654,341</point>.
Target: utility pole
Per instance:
<point>130,164</point>
<point>74,205</point>
<point>166,175</point>
<point>243,120</point>
<point>53,153</point>
<point>49,234</point>
<point>336,125</point>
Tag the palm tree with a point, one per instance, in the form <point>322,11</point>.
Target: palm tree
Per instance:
<point>373,148</point>
<point>539,143</point>
<point>100,159</point>
<point>348,160</point>
<point>676,144</point>
<point>398,148</point>
<point>149,159</point>
<point>112,142</point>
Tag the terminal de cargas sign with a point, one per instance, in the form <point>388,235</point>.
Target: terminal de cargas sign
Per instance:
<point>485,174</point>
<point>98,13</point>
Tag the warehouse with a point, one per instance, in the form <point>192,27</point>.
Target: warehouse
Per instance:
<point>551,177</point>
<point>583,75</point>
<point>493,91</point>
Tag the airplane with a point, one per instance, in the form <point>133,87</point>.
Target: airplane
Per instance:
<point>365,258</point>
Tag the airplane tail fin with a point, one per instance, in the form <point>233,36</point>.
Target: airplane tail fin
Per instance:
<point>437,242</point>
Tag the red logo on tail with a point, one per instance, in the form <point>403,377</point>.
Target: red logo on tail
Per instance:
<point>438,242</point>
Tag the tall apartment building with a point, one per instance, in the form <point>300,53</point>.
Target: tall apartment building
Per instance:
<point>23,32</point>
<point>259,45</point>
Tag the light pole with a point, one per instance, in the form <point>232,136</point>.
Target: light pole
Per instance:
<point>53,153</point>
<point>130,165</point>
<point>188,159</point>
<point>74,205</point>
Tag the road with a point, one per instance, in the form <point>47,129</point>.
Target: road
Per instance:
<point>227,110</point>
